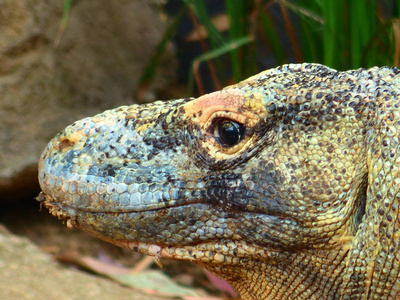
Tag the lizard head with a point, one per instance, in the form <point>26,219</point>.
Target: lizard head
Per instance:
<point>268,177</point>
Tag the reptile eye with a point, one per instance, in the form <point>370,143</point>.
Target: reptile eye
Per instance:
<point>230,132</point>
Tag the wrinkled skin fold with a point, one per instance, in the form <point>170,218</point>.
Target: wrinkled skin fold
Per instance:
<point>285,184</point>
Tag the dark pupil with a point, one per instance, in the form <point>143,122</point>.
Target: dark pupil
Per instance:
<point>230,132</point>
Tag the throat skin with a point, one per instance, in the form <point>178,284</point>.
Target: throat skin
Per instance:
<point>286,184</point>
<point>312,278</point>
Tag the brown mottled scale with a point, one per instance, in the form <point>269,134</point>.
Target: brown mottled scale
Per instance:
<point>286,184</point>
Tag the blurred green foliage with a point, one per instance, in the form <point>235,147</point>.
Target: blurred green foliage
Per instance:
<point>342,34</point>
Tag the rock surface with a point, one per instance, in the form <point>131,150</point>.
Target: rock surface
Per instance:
<point>44,87</point>
<point>28,273</point>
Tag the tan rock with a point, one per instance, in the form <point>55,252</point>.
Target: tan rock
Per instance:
<point>43,87</point>
<point>28,273</point>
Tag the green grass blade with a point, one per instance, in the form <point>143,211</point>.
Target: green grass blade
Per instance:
<point>334,33</point>
<point>237,15</point>
<point>311,26</point>
<point>362,25</point>
<point>149,70</point>
<point>218,52</point>
<point>64,19</point>
<point>197,6</point>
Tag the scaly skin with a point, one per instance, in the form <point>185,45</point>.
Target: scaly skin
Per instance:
<point>286,184</point>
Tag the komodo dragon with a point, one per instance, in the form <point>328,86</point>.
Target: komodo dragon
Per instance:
<point>286,184</point>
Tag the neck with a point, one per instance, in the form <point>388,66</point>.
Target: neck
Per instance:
<point>301,275</point>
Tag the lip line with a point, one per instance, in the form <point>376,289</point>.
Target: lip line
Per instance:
<point>64,209</point>
<point>67,211</point>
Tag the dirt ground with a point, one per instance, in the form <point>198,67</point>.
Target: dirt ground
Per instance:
<point>30,241</point>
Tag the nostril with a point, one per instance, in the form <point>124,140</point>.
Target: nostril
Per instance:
<point>65,144</point>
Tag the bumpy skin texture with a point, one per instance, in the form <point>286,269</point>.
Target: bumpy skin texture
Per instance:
<point>304,204</point>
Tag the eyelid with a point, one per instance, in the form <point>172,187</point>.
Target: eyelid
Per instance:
<point>228,115</point>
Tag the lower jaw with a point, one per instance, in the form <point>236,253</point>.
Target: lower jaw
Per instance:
<point>220,252</point>
<point>203,253</point>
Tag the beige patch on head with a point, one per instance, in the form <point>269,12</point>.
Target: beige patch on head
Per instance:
<point>68,140</point>
<point>230,104</point>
